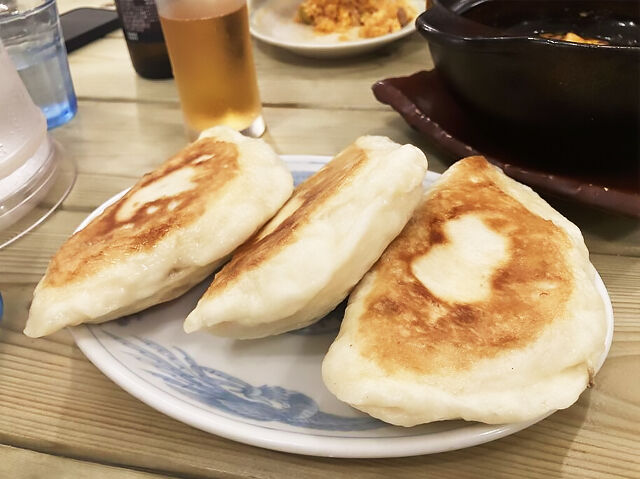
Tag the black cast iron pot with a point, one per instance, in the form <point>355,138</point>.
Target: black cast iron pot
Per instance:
<point>493,57</point>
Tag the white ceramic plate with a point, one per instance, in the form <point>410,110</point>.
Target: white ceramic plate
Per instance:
<point>266,392</point>
<point>272,22</point>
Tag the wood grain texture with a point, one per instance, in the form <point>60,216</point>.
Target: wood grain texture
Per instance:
<point>66,5</point>
<point>128,139</point>
<point>60,417</point>
<point>18,462</point>
<point>139,137</point>
<point>284,79</point>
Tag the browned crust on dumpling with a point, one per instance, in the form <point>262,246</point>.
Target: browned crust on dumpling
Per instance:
<point>406,327</point>
<point>309,197</point>
<point>109,238</point>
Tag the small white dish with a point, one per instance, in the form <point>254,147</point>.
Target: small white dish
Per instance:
<point>272,21</point>
<point>265,392</point>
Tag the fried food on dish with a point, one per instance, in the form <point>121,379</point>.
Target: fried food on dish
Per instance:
<point>484,308</point>
<point>372,18</point>
<point>307,259</point>
<point>572,37</point>
<point>169,232</point>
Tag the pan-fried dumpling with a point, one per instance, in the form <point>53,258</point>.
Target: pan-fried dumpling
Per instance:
<point>309,256</point>
<point>169,232</point>
<point>484,308</point>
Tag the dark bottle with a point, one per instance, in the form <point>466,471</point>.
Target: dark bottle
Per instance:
<point>144,38</point>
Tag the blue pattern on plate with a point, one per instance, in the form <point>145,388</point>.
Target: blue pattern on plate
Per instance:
<point>300,176</point>
<point>125,320</point>
<point>234,396</point>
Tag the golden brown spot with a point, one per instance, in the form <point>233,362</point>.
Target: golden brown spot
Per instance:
<point>308,197</point>
<point>107,239</point>
<point>406,327</point>
<point>173,272</point>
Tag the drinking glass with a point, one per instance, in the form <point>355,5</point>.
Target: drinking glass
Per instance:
<point>30,31</point>
<point>210,51</point>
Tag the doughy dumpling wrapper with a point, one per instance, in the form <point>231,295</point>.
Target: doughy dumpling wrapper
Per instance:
<point>307,259</point>
<point>484,308</point>
<point>169,232</point>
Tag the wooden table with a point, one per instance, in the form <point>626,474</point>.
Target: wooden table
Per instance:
<point>61,417</point>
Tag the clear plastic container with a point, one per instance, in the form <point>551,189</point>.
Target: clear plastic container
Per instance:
<point>24,188</point>
<point>31,165</point>
<point>23,127</point>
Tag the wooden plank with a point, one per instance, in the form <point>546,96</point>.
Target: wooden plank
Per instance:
<point>103,70</point>
<point>141,136</point>
<point>91,190</point>
<point>18,463</point>
<point>66,5</point>
<point>129,139</point>
<point>122,139</point>
<point>61,406</point>
<point>53,400</point>
<point>25,260</point>
<point>621,276</point>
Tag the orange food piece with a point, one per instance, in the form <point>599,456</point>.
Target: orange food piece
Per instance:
<point>572,37</point>
<point>372,17</point>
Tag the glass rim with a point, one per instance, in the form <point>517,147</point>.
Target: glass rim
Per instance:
<point>32,7</point>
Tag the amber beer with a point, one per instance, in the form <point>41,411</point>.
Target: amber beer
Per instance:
<point>210,51</point>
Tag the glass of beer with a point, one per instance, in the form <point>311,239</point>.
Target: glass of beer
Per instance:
<point>210,51</point>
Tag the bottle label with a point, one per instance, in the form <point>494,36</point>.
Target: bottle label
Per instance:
<point>140,20</point>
